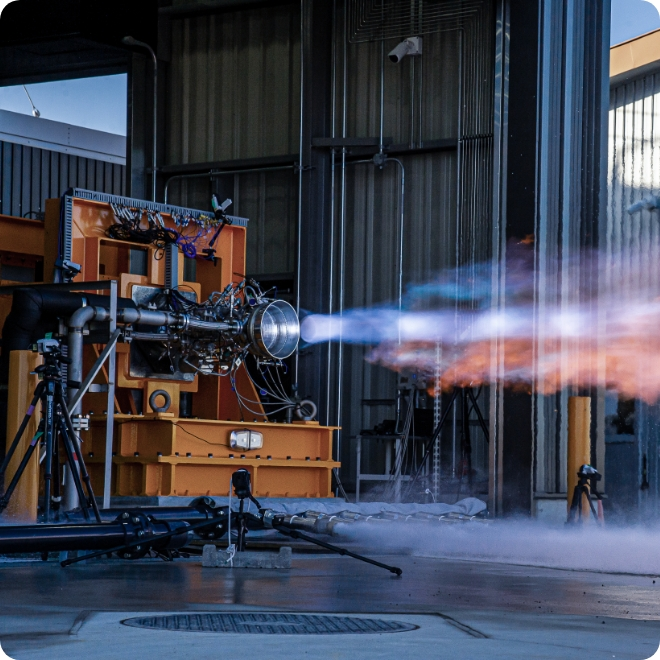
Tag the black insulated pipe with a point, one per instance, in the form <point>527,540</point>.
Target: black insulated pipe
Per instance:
<point>60,538</point>
<point>160,513</point>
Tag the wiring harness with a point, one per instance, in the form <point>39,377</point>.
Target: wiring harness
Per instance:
<point>146,226</point>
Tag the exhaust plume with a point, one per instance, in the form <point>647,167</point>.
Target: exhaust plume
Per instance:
<point>588,320</point>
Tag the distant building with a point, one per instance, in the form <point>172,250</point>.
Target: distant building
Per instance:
<point>40,159</point>
<point>633,433</point>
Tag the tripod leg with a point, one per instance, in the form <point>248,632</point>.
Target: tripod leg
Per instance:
<point>242,529</point>
<point>57,480</point>
<point>294,534</point>
<point>575,505</point>
<point>48,407</point>
<point>73,468</point>
<point>591,503</point>
<point>81,462</point>
<point>4,500</point>
<point>21,429</point>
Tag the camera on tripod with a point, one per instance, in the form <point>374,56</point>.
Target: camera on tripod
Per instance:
<point>47,346</point>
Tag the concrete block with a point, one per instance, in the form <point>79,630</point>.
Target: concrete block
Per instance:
<point>214,558</point>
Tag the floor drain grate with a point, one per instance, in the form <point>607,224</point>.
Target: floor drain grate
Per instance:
<point>263,623</point>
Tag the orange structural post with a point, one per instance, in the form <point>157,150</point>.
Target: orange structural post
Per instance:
<point>23,504</point>
<point>579,444</point>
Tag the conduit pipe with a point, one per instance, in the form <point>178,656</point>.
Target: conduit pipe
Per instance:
<point>300,181</point>
<point>331,268</point>
<point>342,231</point>
<point>213,173</point>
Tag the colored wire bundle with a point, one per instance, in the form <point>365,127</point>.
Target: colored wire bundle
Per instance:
<point>129,227</point>
<point>190,229</point>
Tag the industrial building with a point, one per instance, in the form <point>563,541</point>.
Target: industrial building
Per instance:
<point>349,337</point>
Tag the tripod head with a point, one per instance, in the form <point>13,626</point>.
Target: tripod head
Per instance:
<point>242,486</point>
<point>589,473</point>
<point>51,350</point>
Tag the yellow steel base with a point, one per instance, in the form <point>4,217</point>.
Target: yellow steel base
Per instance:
<point>164,455</point>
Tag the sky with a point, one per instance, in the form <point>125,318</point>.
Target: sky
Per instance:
<point>100,103</point>
<point>630,18</point>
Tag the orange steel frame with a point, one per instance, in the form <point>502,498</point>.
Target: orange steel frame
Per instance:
<point>162,453</point>
<point>21,244</point>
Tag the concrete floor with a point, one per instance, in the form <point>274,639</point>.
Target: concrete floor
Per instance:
<point>463,610</point>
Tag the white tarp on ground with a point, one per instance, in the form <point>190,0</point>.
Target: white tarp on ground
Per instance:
<point>470,506</point>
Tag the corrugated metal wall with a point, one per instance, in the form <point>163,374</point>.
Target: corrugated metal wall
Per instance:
<point>445,93</point>
<point>234,93</point>
<point>234,86</point>
<point>634,173</point>
<point>29,176</point>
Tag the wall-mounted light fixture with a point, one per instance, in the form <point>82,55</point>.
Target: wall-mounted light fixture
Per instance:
<point>409,46</point>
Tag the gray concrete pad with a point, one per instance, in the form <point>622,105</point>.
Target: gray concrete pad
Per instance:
<point>101,635</point>
<point>464,610</point>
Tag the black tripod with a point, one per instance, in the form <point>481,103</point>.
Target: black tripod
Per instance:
<point>55,424</point>
<point>468,402</point>
<point>588,478</point>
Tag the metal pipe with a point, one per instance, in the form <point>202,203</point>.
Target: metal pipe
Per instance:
<point>331,269</point>
<point>110,418</point>
<point>342,229</point>
<point>459,198</point>
<point>77,322</point>
<point>130,41</point>
<point>382,94</point>
<point>300,178</point>
<point>188,323</point>
<point>83,316</point>
<point>213,173</point>
<point>143,316</point>
<point>70,498</point>
<point>411,142</point>
<point>74,379</point>
<point>95,369</point>
<point>134,315</point>
<point>420,87</point>
<point>401,228</point>
<point>60,538</point>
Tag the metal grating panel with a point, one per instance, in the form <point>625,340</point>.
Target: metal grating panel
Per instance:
<point>145,204</point>
<point>264,623</point>
<point>372,20</point>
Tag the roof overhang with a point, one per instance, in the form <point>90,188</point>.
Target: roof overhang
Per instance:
<point>635,58</point>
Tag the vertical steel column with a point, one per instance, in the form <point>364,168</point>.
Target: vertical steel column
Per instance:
<point>500,178</point>
<point>342,229</point>
<point>110,417</point>
<point>331,265</point>
<point>300,177</point>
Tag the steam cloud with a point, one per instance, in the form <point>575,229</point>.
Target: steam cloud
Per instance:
<point>592,319</point>
<point>604,549</point>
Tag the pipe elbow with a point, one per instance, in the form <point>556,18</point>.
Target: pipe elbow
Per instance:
<point>82,316</point>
